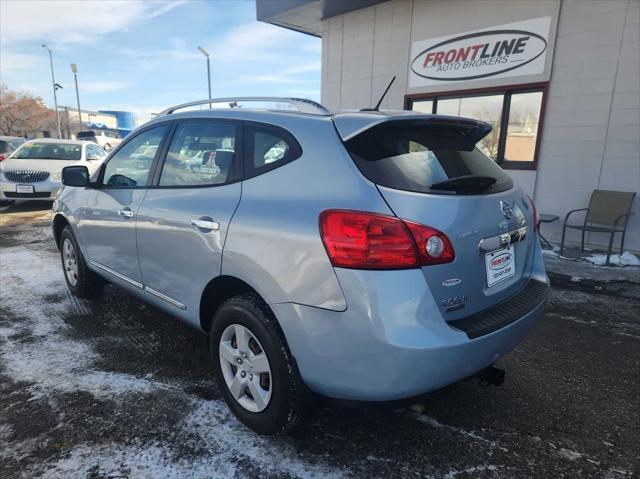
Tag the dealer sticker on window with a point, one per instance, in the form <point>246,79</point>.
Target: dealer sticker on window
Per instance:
<point>500,265</point>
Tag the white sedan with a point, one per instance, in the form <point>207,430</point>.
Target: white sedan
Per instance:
<point>33,171</point>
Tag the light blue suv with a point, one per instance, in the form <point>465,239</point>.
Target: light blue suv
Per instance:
<point>369,256</point>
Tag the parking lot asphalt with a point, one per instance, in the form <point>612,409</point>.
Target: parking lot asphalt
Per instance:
<point>115,389</point>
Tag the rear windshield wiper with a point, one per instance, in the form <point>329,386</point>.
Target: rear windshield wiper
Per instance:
<point>467,182</point>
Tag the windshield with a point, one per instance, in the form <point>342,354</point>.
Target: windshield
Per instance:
<point>426,159</point>
<point>49,151</point>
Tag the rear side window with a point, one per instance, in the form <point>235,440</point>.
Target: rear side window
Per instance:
<point>420,157</point>
<point>200,154</point>
<point>268,147</point>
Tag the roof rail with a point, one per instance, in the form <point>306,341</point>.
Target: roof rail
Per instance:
<point>302,104</point>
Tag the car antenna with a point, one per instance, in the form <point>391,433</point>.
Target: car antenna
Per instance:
<point>377,107</point>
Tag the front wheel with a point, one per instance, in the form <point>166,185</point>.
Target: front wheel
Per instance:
<point>81,281</point>
<point>253,366</point>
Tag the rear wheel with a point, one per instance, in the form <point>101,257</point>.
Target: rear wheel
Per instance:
<point>81,281</point>
<point>253,366</point>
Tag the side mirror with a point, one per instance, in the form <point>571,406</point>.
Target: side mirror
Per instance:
<point>75,176</point>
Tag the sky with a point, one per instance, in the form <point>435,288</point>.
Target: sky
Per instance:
<point>142,56</point>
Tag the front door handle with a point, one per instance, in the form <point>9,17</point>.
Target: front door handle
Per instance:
<point>205,224</point>
<point>126,212</point>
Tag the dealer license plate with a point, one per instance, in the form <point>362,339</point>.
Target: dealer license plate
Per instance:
<point>500,265</point>
<point>24,189</point>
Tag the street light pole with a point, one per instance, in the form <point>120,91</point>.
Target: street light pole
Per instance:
<point>204,52</point>
<point>55,95</point>
<point>74,69</point>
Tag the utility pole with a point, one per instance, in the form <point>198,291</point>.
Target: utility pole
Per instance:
<point>206,54</point>
<point>55,95</point>
<point>74,69</point>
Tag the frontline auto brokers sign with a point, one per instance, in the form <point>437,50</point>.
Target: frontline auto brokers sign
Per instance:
<point>514,49</point>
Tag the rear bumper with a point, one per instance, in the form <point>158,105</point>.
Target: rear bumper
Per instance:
<point>43,190</point>
<point>392,342</point>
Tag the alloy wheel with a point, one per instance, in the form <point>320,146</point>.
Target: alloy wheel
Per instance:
<point>70,261</point>
<point>245,368</point>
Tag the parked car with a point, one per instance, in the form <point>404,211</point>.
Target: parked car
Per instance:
<point>33,171</point>
<point>361,256</point>
<point>9,144</point>
<point>105,138</point>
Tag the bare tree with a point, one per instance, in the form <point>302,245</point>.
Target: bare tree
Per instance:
<point>23,114</point>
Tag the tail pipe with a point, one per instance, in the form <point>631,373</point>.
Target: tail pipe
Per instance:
<point>490,376</point>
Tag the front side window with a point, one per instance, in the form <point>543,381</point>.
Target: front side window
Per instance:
<point>49,151</point>
<point>267,148</point>
<point>94,151</point>
<point>131,165</point>
<point>201,153</point>
<point>513,115</point>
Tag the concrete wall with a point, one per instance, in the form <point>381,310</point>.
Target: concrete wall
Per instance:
<point>591,134</point>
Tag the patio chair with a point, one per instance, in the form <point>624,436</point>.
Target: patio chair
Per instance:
<point>608,212</point>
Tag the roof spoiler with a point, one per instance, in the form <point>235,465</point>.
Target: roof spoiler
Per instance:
<point>351,125</point>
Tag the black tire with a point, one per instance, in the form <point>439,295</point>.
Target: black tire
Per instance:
<point>285,408</point>
<point>88,285</point>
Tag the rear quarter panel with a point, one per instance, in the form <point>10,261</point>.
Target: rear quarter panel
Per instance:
<point>274,240</point>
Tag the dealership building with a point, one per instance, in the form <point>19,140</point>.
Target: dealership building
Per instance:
<point>559,80</point>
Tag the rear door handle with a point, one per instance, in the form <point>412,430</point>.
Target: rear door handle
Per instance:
<point>126,212</point>
<point>205,224</point>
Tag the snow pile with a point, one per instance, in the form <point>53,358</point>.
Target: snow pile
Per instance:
<point>625,259</point>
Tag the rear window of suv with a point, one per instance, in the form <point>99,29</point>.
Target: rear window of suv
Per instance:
<point>427,157</point>
<point>86,135</point>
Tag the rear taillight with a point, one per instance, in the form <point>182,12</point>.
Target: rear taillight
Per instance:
<point>535,213</point>
<point>433,246</point>
<point>2,157</point>
<point>360,240</point>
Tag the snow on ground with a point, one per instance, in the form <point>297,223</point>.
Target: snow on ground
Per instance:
<point>55,365</point>
<point>225,442</point>
<point>624,259</point>
<point>51,362</point>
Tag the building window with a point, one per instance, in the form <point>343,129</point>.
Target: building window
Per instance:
<point>514,114</point>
